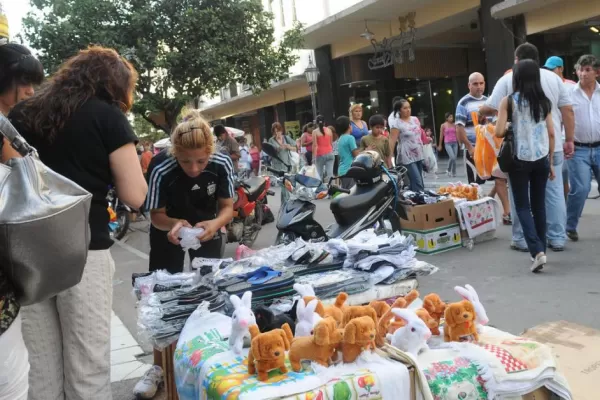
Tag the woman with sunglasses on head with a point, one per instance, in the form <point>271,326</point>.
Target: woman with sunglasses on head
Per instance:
<point>77,123</point>
<point>190,185</point>
<point>19,73</point>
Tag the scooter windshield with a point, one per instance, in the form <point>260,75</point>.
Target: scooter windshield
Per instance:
<point>308,181</point>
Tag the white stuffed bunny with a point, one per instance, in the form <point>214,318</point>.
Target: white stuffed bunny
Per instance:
<point>469,293</point>
<point>241,319</point>
<point>304,289</point>
<point>411,338</point>
<point>307,318</point>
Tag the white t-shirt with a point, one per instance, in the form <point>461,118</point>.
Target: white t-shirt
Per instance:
<point>553,87</point>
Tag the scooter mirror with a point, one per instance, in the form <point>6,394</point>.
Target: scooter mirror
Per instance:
<point>273,153</point>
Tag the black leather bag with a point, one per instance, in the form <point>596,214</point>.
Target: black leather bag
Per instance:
<point>506,155</point>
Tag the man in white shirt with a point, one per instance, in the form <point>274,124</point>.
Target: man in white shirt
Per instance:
<point>562,114</point>
<point>586,105</point>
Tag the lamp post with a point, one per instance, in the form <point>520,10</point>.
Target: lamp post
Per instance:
<point>312,76</point>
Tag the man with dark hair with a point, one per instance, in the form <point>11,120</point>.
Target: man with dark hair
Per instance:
<point>562,114</point>
<point>586,105</point>
<point>227,144</point>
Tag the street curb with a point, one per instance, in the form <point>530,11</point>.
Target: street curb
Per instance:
<point>131,249</point>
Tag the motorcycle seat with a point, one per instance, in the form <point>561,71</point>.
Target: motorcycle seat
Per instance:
<point>254,187</point>
<point>347,209</point>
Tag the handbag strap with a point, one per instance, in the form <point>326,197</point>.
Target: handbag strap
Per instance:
<point>14,138</point>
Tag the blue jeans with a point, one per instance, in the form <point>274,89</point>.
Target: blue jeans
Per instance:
<point>556,210</point>
<point>325,162</point>
<point>585,161</point>
<point>528,182</point>
<point>415,175</point>
<point>452,150</point>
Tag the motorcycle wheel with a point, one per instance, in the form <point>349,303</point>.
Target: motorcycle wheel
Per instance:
<point>253,225</point>
<point>285,238</point>
<point>123,220</point>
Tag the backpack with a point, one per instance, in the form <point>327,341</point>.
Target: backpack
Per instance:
<point>487,146</point>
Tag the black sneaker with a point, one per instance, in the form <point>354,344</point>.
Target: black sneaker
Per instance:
<point>573,235</point>
<point>556,248</point>
<point>513,246</point>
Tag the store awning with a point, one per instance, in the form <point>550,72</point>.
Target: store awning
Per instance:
<point>511,8</point>
<point>342,30</point>
<point>289,89</point>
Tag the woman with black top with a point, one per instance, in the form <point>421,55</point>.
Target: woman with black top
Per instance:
<point>190,185</point>
<point>76,121</point>
<point>19,72</point>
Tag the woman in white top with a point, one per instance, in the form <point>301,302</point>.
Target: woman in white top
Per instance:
<point>533,150</point>
<point>405,130</point>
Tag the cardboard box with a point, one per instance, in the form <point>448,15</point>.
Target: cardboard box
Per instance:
<point>430,216</point>
<point>577,351</point>
<point>438,240</point>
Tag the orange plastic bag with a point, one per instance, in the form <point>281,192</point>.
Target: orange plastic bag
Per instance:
<point>487,146</point>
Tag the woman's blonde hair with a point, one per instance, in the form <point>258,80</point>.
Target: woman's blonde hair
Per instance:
<point>354,107</point>
<point>193,132</point>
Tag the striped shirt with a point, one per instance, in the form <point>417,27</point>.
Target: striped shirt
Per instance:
<point>184,197</point>
<point>465,107</point>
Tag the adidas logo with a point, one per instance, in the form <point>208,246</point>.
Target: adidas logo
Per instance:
<point>196,187</point>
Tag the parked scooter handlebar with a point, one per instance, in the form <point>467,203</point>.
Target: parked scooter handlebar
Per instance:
<point>276,171</point>
<point>333,189</point>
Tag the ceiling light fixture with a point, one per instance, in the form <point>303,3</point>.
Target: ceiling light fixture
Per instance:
<point>367,34</point>
<point>594,29</point>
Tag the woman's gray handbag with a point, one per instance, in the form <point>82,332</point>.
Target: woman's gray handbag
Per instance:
<point>44,229</point>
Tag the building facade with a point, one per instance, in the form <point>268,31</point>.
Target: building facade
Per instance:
<point>370,51</point>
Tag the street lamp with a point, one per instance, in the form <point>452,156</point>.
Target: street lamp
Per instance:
<point>312,76</point>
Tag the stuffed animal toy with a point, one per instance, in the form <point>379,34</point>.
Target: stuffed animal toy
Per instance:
<point>469,293</point>
<point>434,306</point>
<point>241,319</point>
<point>384,322</point>
<point>460,322</point>
<point>412,337</point>
<point>307,318</point>
<point>334,310</point>
<point>319,348</point>
<point>380,307</point>
<point>352,312</point>
<point>359,334</point>
<point>267,352</point>
<point>429,321</point>
<point>267,320</point>
<point>408,300</point>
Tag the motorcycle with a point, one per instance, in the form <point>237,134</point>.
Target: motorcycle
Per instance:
<point>249,200</point>
<point>378,206</point>
<point>120,216</point>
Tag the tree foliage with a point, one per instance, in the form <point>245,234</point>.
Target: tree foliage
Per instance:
<point>182,49</point>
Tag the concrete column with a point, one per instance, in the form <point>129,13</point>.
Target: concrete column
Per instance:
<point>498,41</point>
<point>595,48</point>
<point>327,85</point>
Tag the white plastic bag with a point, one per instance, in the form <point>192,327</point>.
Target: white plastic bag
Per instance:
<point>429,160</point>
<point>190,238</point>
<point>295,159</point>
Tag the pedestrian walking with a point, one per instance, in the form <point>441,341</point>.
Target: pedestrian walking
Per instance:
<point>347,150</point>
<point>359,127</point>
<point>76,122</point>
<point>530,114</point>
<point>406,132</point>
<point>323,150</point>
<point>449,141</point>
<point>20,71</point>
<point>586,160</point>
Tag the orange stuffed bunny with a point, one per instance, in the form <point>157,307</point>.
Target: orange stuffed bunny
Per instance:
<point>267,352</point>
<point>359,334</point>
<point>319,348</point>
<point>435,307</point>
<point>460,322</point>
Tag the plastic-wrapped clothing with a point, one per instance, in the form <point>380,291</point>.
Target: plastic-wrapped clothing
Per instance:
<point>487,146</point>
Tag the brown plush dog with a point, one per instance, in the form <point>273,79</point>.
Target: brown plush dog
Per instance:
<point>267,352</point>
<point>431,323</point>
<point>380,307</point>
<point>435,307</point>
<point>358,336</point>
<point>319,348</point>
<point>401,302</point>
<point>460,322</point>
<point>352,312</point>
<point>334,310</point>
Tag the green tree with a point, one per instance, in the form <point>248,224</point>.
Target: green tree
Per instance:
<point>146,131</point>
<point>182,49</point>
